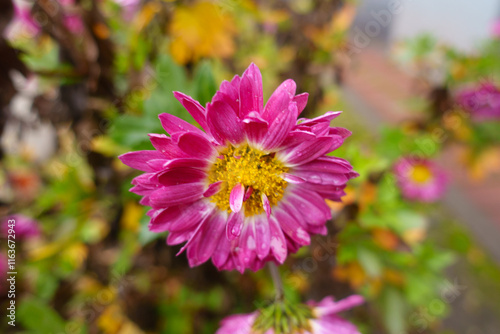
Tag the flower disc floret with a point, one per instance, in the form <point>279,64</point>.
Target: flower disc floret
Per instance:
<point>259,173</point>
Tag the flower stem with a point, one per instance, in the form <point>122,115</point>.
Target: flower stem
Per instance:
<point>278,283</point>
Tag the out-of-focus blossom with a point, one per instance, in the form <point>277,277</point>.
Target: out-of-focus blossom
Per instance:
<point>482,102</point>
<point>316,318</point>
<point>22,22</point>
<point>201,30</point>
<point>250,189</point>
<point>72,19</point>
<point>23,226</point>
<point>420,179</point>
<point>495,29</point>
<point>129,7</point>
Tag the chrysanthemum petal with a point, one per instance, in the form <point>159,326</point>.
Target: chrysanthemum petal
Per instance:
<point>251,97</point>
<point>213,189</point>
<point>234,225</point>
<point>255,127</point>
<point>175,176</point>
<point>278,242</point>
<point>279,100</point>
<point>206,240</point>
<point>307,206</point>
<point>266,205</point>
<point>236,197</point>
<point>138,159</point>
<point>176,195</point>
<point>194,108</point>
<point>292,228</point>
<point>280,127</point>
<point>223,123</point>
<point>308,151</point>
<point>301,100</point>
<point>173,124</point>
<point>263,237</point>
<point>195,145</point>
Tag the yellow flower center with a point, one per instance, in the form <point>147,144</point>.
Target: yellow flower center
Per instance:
<point>253,169</point>
<point>420,174</point>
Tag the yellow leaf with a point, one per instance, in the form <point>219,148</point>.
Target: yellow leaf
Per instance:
<point>131,216</point>
<point>201,30</point>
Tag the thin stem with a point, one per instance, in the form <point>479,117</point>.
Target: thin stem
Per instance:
<point>278,283</point>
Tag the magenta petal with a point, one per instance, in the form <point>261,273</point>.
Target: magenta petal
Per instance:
<point>308,151</point>
<point>263,237</point>
<point>138,159</point>
<point>278,241</point>
<point>195,145</point>
<point>296,137</point>
<point>247,245</point>
<point>165,145</point>
<point>279,100</point>
<point>146,179</point>
<point>255,127</point>
<point>280,127</point>
<point>162,219</point>
<point>301,101</point>
<point>157,164</point>
<point>248,193</point>
<point>207,239</point>
<point>234,224</point>
<point>307,206</point>
<point>292,228</point>
<point>175,238</point>
<point>213,189</point>
<point>266,205</point>
<point>251,97</point>
<point>231,93</point>
<point>176,195</point>
<point>336,179</point>
<point>292,178</point>
<point>191,215</point>
<point>175,176</point>
<point>223,123</point>
<point>326,164</point>
<point>221,252</point>
<point>142,190</point>
<point>330,307</point>
<point>236,197</point>
<point>173,125</point>
<point>193,107</point>
<point>187,162</point>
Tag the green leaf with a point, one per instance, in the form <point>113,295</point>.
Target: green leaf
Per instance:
<point>204,84</point>
<point>39,317</point>
<point>370,262</point>
<point>394,308</point>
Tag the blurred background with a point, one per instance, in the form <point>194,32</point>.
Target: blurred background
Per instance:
<point>83,81</point>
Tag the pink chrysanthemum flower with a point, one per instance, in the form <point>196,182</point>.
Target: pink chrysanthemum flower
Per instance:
<point>24,227</point>
<point>420,179</point>
<point>483,102</point>
<point>316,318</point>
<point>495,29</point>
<point>252,187</point>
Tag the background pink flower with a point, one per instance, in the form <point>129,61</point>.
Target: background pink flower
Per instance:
<point>495,29</point>
<point>420,179</point>
<point>483,102</point>
<point>250,189</point>
<point>324,319</point>
<point>25,227</point>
